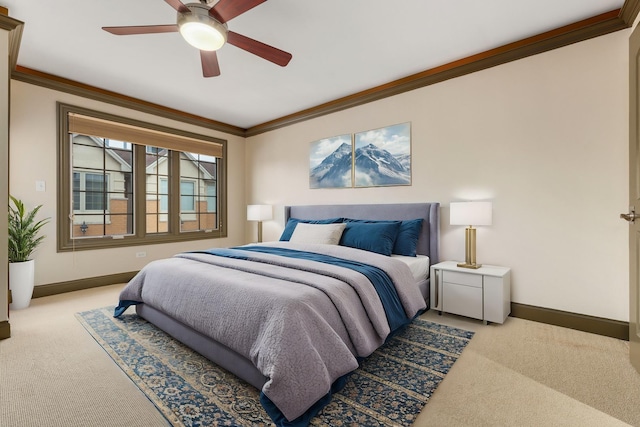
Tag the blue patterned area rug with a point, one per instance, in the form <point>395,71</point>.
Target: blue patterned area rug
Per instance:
<point>389,389</point>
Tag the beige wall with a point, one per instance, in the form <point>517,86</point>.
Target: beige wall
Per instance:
<point>544,138</point>
<point>33,158</point>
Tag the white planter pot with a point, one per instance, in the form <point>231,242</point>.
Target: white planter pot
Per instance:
<point>21,283</point>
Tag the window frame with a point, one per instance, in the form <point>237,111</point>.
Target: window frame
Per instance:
<point>139,237</point>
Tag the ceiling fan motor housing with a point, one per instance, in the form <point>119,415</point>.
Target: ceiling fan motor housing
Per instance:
<point>200,29</point>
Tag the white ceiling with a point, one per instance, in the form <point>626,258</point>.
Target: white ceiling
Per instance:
<point>339,47</point>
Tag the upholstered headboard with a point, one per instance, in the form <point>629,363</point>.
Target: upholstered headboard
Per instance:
<point>428,242</point>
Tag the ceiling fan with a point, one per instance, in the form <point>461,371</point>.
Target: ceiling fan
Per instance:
<point>205,28</point>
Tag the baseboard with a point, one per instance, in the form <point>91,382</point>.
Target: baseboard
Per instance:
<point>595,325</point>
<point>80,284</point>
<point>5,330</point>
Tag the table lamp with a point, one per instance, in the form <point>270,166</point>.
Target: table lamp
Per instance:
<point>470,214</point>
<point>259,213</point>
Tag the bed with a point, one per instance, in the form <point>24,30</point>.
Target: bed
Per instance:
<point>315,337</point>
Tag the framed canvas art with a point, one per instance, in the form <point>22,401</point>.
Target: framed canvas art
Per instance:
<point>383,156</point>
<point>331,162</point>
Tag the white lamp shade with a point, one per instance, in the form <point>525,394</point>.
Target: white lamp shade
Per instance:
<point>259,212</point>
<point>470,213</point>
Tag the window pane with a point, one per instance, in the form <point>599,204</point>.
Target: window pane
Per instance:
<point>76,191</point>
<point>119,224</point>
<point>157,189</point>
<point>95,195</point>
<point>89,160</point>
<point>187,196</point>
<point>120,204</point>
<point>201,172</point>
<point>119,156</point>
<point>202,158</point>
<point>90,141</point>
<point>155,153</point>
<point>157,223</point>
<point>163,192</point>
<point>210,189</point>
<point>94,201</point>
<point>207,221</point>
<point>87,225</point>
<point>188,167</point>
<point>94,182</point>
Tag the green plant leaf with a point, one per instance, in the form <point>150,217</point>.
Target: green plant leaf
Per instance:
<point>23,230</point>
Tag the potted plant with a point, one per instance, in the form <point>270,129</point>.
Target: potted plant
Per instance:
<point>23,240</point>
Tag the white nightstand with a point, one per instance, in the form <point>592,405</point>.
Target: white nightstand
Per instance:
<point>483,293</point>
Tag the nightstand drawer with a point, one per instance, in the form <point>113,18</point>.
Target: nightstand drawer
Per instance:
<point>474,280</point>
<point>483,293</point>
<point>462,300</point>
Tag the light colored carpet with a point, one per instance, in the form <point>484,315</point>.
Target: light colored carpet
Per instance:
<point>526,373</point>
<point>518,374</point>
<point>53,373</point>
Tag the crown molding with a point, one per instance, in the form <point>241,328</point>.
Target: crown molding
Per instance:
<point>629,11</point>
<point>50,81</point>
<point>15,35</point>
<point>598,25</point>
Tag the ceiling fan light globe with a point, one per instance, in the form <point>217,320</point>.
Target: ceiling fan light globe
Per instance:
<point>200,30</point>
<point>202,36</point>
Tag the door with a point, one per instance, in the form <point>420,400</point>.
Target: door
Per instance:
<point>634,198</point>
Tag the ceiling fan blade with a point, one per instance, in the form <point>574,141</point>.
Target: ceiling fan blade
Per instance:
<point>178,6</point>
<point>270,53</point>
<point>141,29</point>
<point>210,66</point>
<point>226,10</point>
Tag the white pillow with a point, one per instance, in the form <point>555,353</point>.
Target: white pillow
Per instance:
<point>326,234</point>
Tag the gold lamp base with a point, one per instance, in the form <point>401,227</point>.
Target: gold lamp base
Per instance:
<point>259,231</point>
<point>465,265</point>
<point>469,249</point>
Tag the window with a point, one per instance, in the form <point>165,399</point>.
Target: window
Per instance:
<point>124,182</point>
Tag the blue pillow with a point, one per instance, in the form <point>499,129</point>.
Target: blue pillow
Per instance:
<point>406,242</point>
<point>376,237</point>
<point>292,222</point>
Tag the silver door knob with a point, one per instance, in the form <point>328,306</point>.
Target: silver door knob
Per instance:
<point>631,216</point>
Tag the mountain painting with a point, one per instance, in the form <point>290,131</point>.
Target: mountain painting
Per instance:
<point>383,156</point>
<point>330,163</point>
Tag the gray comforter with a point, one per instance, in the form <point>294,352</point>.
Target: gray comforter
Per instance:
<point>302,323</point>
